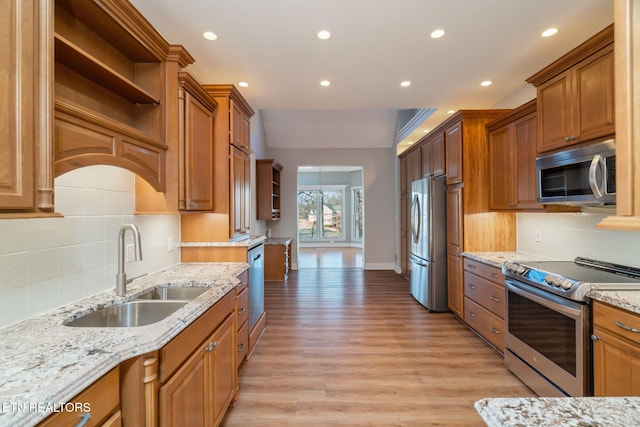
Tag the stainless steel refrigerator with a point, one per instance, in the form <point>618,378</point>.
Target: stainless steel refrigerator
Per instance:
<point>428,235</point>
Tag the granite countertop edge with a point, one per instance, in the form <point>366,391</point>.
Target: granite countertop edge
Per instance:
<point>555,411</point>
<point>249,243</point>
<point>496,259</point>
<point>77,357</point>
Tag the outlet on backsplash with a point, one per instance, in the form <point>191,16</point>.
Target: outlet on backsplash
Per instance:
<point>538,236</point>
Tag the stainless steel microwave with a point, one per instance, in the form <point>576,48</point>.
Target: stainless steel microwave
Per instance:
<point>580,176</point>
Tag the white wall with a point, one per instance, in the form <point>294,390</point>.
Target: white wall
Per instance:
<point>568,235</point>
<point>379,196</point>
<point>49,262</point>
<point>259,149</point>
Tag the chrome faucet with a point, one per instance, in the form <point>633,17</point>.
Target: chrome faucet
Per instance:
<point>121,277</point>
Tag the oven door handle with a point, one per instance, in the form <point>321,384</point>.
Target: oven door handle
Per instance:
<point>561,305</point>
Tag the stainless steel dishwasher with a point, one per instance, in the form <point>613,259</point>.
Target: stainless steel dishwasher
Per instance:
<point>256,284</point>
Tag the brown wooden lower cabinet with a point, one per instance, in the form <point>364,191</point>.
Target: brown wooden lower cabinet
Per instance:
<point>102,403</point>
<point>277,259</point>
<point>616,351</point>
<point>484,301</point>
<point>198,391</point>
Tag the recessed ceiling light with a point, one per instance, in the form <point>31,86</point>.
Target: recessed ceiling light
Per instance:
<point>324,35</point>
<point>243,84</point>
<point>451,111</point>
<point>486,83</point>
<point>405,83</point>
<point>210,36</point>
<point>325,83</point>
<point>437,34</point>
<point>549,32</point>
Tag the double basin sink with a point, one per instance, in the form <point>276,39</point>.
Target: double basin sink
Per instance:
<point>150,307</point>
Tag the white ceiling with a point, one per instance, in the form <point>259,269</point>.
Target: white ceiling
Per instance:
<point>375,44</point>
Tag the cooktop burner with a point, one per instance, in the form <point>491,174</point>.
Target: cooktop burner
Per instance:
<point>574,279</point>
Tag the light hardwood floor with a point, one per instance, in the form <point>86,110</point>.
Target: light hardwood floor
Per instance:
<point>330,257</point>
<point>347,347</point>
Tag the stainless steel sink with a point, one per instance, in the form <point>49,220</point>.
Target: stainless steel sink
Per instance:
<point>168,293</point>
<point>132,313</point>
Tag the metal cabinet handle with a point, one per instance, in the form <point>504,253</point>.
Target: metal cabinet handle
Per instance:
<point>494,299</point>
<point>627,328</point>
<point>84,419</point>
<point>494,275</point>
<point>471,266</point>
<point>211,346</point>
<point>241,284</point>
<point>471,313</point>
<point>494,330</point>
<point>241,347</point>
<point>242,310</point>
<point>472,286</point>
<point>595,337</point>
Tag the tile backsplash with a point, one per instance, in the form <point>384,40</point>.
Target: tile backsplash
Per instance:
<point>49,262</point>
<point>564,236</point>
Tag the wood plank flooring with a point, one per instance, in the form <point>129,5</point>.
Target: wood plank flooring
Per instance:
<point>348,347</point>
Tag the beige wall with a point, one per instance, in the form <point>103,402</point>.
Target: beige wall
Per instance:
<point>379,195</point>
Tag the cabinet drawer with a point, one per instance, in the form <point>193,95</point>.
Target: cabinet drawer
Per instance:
<point>180,348</point>
<point>243,343</point>
<point>486,271</point>
<point>617,321</point>
<point>244,281</point>
<point>102,398</point>
<point>486,324</point>
<point>489,295</point>
<point>242,307</point>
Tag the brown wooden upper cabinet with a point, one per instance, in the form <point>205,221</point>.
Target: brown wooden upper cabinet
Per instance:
<point>232,163</point>
<point>433,155</point>
<point>268,189</point>
<point>576,95</point>
<point>197,114</point>
<point>26,174</point>
<point>453,137</point>
<point>512,159</point>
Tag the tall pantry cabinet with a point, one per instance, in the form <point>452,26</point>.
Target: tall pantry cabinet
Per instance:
<point>471,226</point>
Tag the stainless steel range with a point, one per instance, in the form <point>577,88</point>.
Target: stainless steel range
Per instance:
<point>548,320</point>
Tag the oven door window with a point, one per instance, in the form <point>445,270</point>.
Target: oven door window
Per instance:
<point>548,332</point>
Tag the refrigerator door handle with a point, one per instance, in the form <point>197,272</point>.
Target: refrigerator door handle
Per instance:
<point>415,219</point>
<point>418,261</point>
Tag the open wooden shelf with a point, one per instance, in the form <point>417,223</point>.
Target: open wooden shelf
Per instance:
<point>77,59</point>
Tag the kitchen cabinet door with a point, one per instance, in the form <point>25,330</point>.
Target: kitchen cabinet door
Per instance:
<point>525,147</point>
<point>240,192</point>
<point>455,287</point>
<point>439,156</point>
<point>184,399</point>
<point>222,367</point>
<point>502,172</point>
<point>26,163</point>
<point>198,153</point>
<point>404,234</point>
<point>616,366</point>
<point>426,152</point>
<point>453,141</point>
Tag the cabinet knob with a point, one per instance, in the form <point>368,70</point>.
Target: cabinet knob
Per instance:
<point>242,310</point>
<point>241,347</point>
<point>494,330</point>
<point>471,313</point>
<point>211,346</point>
<point>594,337</point>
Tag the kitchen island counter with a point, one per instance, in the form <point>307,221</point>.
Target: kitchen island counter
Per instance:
<point>560,411</point>
<point>45,362</point>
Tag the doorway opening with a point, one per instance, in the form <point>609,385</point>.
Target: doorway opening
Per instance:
<point>330,230</point>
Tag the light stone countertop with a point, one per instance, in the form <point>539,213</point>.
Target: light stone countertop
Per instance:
<point>496,259</point>
<point>249,243</point>
<point>560,411</point>
<point>627,300</point>
<point>42,361</point>
<point>278,241</point>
